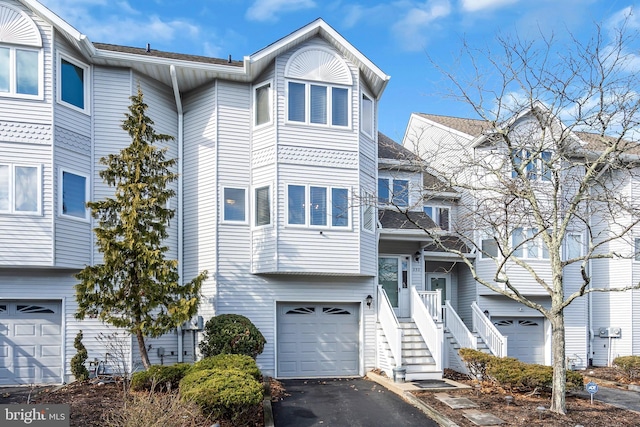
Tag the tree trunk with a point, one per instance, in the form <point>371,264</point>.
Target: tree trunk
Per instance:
<point>559,386</point>
<point>143,350</point>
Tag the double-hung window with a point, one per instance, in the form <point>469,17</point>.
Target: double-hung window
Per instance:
<point>528,243</point>
<point>262,206</point>
<point>317,103</point>
<point>395,191</point>
<point>488,246</point>
<point>536,168</point>
<point>439,215</point>
<point>235,204</point>
<point>73,83</point>
<point>74,194</point>
<point>317,206</point>
<point>573,246</point>
<point>20,189</point>
<point>262,104</point>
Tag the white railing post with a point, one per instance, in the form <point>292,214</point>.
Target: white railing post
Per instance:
<point>496,342</point>
<point>458,329</point>
<point>432,333</point>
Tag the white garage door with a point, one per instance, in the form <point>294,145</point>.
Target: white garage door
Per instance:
<point>317,340</point>
<point>30,342</point>
<point>525,338</point>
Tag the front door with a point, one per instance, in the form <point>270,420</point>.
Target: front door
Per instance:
<point>393,276</point>
<point>439,282</point>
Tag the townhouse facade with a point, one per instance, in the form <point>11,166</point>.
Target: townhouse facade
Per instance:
<point>309,221</point>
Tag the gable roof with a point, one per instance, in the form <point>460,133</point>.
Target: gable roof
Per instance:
<point>391,150</point>
<point>471,127</point>
<point>192,71</point>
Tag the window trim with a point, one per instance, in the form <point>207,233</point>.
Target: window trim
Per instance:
<point>255,103</point>
<point>329,101</point>
<point>255,205</point>
<point>12,196</point>
<point>85,84</point>
<point>329,207</point>
<point>370,131</point>
<point>223,218</point>
<point>61,172</point>
<point>13,80</point>
<point>436,215</point>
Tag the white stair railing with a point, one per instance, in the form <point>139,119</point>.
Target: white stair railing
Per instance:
<point>390,325</point>
<point>496,342</point>
<point>432,300</point>
<point>432,333</point>
<point>458,329</point>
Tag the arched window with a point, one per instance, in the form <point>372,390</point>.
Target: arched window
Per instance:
<point>20,55</point>
<point>318,88</point>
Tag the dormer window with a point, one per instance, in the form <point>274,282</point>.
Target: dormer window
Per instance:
<point>20,55</point>
<point>318,88</point>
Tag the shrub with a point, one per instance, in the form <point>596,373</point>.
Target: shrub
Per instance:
<point>163,378</point>
<point>231,334</point>
<point>629,365</point>
<point>222,393</point>
<point>476,362</point>
<point>78,369</point>
<point>155,410</point>
<point>229,361</point>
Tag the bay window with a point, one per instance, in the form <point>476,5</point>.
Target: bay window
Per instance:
<point>318,104</point>
<point>327,206</point>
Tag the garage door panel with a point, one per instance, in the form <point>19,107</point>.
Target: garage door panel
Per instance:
<point>525,338</point>
<point>325,341</point>
<point>31,348</point>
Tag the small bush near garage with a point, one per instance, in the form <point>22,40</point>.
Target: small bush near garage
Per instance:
<point>476,362</point>
<point>229,361</point>
<point>231,334</point>
<point>512,373</point>
<point>222,393</point>
<point>629,365</point>
<point>160,377</point>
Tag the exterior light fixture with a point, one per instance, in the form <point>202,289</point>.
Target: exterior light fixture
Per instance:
<point>369,300</point>
<point>417,255</point>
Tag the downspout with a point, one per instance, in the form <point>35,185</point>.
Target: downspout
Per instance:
<point>176,94</point>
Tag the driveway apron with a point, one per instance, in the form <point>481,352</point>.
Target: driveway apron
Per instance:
<point>344,402</point>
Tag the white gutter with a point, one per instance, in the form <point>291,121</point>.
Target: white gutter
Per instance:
<point>176,94</point>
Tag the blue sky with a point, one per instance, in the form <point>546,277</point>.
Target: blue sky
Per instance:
<point>402,37</point>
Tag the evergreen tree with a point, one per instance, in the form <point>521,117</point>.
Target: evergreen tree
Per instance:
<point>135,287</point>
<point>79,371</point>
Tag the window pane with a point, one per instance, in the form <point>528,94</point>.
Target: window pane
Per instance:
<point>517,237</point>
<point>4,187</point>
<point>574,246</point>
<point>368,215</point>
<point>27,72</point>
<point>234,204</point>
<point>517,161</point>
<point>545,170</point>
<point>366,119</point>
<point>263,115</point>
<point>318,104</point>
<point>339,207</point>
<point>296,204</point>
<point>383,190</point>
<point>443,218</point>
<point>429,211</point>
<point>318,205</point>
<point>73,195</point>
<point>72,84</point>
<point>388,276</point>
<point>296,102</point>
<point>401,192</point>
<point>339,107</point>
<point>532,243</point>
<point>489,248</point>
<point>263,206</point>
<point>26,189</point>
<point>5,69</point>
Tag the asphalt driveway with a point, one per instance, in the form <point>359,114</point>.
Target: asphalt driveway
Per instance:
<point>344,402</point>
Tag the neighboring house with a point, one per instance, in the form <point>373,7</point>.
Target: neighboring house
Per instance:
<point>275,151</point>
<point>593,323</point>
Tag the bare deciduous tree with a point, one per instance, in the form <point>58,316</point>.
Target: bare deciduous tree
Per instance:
<point>547,181</point>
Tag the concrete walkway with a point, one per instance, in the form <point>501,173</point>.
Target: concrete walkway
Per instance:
<point>625,399</point>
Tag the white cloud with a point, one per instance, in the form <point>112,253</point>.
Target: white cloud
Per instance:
<point>476,5</point>
<point>268,10</point>
<point>412,30</point>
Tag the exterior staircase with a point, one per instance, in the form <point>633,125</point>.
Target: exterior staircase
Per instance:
<point>451,349</point>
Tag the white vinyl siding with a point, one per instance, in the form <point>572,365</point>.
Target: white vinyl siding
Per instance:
<point>73,118</point>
